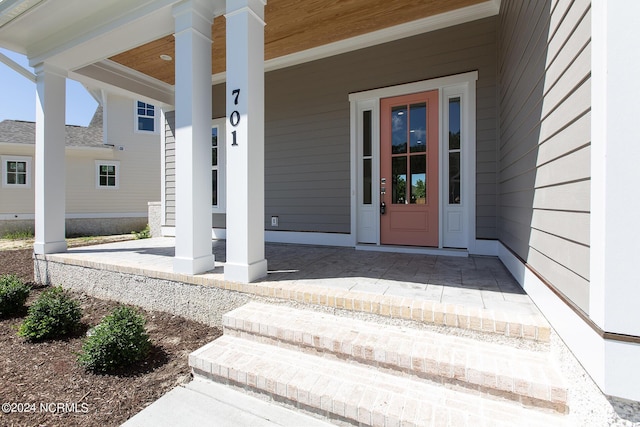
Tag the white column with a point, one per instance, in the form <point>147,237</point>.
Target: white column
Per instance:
<point>245,141</point>
<point>193,137</point>
<point>615,199</point>
<point>614,293</point>
<point>50,161</point>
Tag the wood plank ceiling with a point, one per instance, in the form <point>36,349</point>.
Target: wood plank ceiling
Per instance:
<point>294,26</point>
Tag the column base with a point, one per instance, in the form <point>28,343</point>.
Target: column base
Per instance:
<point>194,266</point>
<point>245,273</point>
<point>42,248</point>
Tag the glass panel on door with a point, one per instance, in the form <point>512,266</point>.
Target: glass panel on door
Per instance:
<point>418,180</point>
<point>399,180</point>
<point>418,125</point>
<point>399,129</point>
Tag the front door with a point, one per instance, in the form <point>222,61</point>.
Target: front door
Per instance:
<point>409,170</point>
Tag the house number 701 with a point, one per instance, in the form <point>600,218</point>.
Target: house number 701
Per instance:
<point>234,117</point>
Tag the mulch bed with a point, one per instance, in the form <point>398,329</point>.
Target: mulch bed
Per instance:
<point>43,382</point>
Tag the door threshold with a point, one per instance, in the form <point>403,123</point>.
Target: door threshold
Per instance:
<point>413,250</point>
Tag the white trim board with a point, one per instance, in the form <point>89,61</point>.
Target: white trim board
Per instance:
<point>30,216</point>
<point>292,237</point>
<point>414,250</point>
<point>611,364</point>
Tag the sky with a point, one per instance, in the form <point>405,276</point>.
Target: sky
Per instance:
<point>18,96</point>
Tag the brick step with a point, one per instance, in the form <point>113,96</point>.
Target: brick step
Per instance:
<point>528,377</point>
<point>530,326</point>
<point>353,393</point>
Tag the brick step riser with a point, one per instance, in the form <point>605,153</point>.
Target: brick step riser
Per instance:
<point>281,398</point>
<point>354,394</point>
<point>447,375</point>
<point>430,312</point>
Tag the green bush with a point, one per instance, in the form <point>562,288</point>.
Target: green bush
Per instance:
<point>119,340</point>
<point>145,233</point>
<point>54,314</point>
<point>13,294</point>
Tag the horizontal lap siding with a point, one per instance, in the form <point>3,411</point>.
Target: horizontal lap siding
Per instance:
<point>544,171</point>
<point>307,122</point>
<point>170,169</point>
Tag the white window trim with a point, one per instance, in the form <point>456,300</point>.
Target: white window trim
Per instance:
<point>155,118</point>
<point>3,170</point>
<point>222,162</point>
<point>107,163</point>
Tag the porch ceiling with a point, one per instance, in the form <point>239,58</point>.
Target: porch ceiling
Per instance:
<point>294,26</point>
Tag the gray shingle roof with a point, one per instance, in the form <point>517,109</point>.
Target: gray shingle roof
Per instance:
<point>21,132</point>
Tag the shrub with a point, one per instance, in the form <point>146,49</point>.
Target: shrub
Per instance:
<point>119,340</point>
<point>53,314</point>
<point>13,294</point>
<point>145,233</point>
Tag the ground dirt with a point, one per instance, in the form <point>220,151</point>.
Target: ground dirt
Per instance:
<point>44,386</point>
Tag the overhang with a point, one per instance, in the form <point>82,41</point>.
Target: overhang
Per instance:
<point>120,42</point>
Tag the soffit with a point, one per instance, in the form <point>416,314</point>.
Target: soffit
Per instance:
<point>294,26</point>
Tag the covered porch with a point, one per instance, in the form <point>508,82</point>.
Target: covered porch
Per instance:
<point>471,293</point>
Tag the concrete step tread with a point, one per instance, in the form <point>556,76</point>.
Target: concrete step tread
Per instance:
<point>424,353</point>
<point>357,393</point>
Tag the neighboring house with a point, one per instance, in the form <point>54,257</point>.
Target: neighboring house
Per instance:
<point>456,127</point>
<point>109,180</point>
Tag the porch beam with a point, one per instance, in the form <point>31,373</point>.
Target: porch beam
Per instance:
<point>193,21</point>
<point>50,160</point>
<point>245,141</point>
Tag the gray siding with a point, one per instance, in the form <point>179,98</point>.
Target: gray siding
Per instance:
<point>170,168</point>
<point>545,103</point>
<point>307,122</point>
<point>307,144</point>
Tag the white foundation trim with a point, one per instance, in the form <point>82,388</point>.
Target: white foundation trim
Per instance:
<point>610,363</point>
<point>309,238</point>
<point>414,250</point>
<point>21,216</point>
<point>484,247</point>
<point>292,237</point>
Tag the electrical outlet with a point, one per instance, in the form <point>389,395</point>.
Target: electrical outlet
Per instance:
<point>274,221</point>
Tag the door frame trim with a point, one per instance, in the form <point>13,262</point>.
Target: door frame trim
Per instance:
<point>465,83</point>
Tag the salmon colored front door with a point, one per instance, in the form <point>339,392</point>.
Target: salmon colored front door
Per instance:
<point>409,170</point>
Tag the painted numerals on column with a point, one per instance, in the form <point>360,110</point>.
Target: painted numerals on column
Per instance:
<point>234,117</point>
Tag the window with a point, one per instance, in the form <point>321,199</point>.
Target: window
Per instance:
<point>16,172</point>
<point>214,166</point>
<point>145,117</point>
<point>217,166</point>
<point>107,174</point>
<point>454,151</point>
<point>367,158</point>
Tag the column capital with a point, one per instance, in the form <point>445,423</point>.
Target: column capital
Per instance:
<point>45,67</point>
<point>195,14</point>
<point>254,7</point>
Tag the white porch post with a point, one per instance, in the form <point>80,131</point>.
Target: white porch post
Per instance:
<point>193,20</point>
<point>615,231</point>
<point>245,141</point>
<point>50,161</point>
